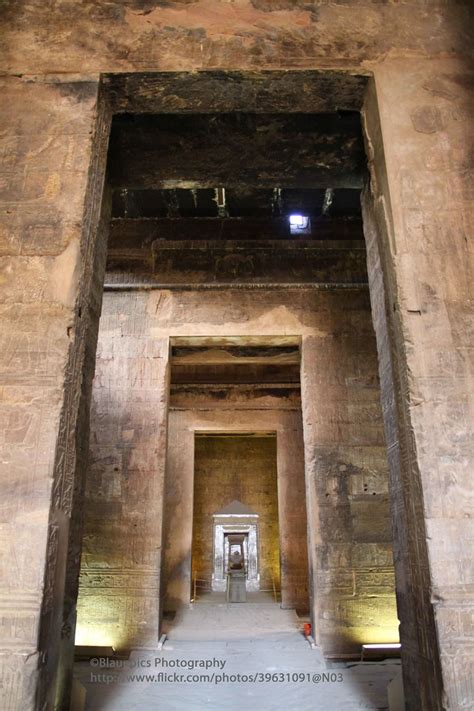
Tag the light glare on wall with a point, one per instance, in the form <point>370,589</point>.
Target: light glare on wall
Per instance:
<point>94,636</point>
<point>389,645</point>
<point>380,650</point>
<point>99,623</point>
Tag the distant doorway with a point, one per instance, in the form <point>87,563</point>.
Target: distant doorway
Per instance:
<point>235,539</point>
<point>232,469</point>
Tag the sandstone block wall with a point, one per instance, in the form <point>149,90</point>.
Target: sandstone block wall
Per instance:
<point>347,489</point>
<point>190,35</point>
<point>52,171</point>
<point>119,600</point>
<point>433,167</point>
<point>346,475</point>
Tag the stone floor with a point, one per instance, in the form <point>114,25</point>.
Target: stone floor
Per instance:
<point>251,656</point>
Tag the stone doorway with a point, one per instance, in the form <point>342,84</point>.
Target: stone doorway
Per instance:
<point>239,269</point>
<point>199,250</point>
<point>238,439</point>
<point>236,546</point>
<point>213,299</point>
<point>242,468</point>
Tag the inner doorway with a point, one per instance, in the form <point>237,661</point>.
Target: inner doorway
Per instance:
<point>235,457</point>
<point>235,505</point>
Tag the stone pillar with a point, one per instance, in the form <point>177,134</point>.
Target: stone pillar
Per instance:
<point>119,597</point>
<point>418,124</point>
<point>178,512</point>
<point>292,519</point>
<point>53,143</point>
<point>349,535</point>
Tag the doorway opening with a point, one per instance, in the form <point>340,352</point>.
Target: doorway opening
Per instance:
<point>248,223</point>
<point>235,513</point>
<point>235,466</point>
<point>259,234</point>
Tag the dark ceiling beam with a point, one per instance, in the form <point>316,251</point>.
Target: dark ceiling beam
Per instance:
<point>138,234</point>
<point>318,179</point>
<point>235,374</point>
<point>237,151</point>
<point>242,262</point>
<point>218,91</point>
<point>234,356</point>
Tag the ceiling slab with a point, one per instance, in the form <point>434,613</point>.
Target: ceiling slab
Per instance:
<point>140,233</point>
<point>220,91</point>
<point>240,341</point>
<point>238,151</point>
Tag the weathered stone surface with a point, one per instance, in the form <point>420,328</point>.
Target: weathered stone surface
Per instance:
<point>119,601</point>
<point>416,236</point>
<point>185,263</point>
<point>425,194</point>
<point>346,479</point>
<point>261,397</point>
<point>139,36</point>
<point>291,522</point>
<point>50,174</point>
<point>352,485</point>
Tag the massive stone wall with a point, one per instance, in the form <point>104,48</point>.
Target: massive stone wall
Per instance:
<point>347,487</point>
<point>145,35</point>
<point>418,224</point>
<point>347,484</point>
<point>119,601</point>
<point>72,39</point>
<point>52,172</point>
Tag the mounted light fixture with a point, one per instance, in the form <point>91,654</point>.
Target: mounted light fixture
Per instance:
<point>299,224</point>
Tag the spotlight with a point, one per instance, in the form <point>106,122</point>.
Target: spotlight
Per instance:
<point>299,224</point>
<point>298,220</point>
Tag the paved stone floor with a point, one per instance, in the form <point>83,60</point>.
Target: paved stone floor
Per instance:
<point>251,656</point>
